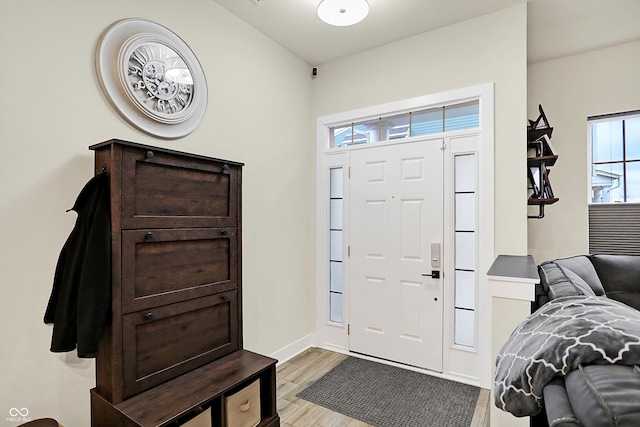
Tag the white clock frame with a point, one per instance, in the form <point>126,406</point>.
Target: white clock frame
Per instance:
<point>127,56</point>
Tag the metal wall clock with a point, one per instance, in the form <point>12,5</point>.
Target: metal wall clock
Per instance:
<point>152,78</point>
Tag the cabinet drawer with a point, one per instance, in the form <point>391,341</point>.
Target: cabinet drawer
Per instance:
<point>162,190</point>
<point>242,409</point>
<point>165,266</point>
<point>167,341</point>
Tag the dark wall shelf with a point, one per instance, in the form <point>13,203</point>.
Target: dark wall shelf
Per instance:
<point>542,156</point>
<point>548,160</point>
<point>542,201</point>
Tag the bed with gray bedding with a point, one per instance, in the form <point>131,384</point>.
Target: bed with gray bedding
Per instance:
<point>575,360</point>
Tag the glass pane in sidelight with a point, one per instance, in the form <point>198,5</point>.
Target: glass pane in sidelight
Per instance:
<point>464,327</point>
<point>335,276</point>
<point>335,213</point>
<point>335,245</point>
<point>465,289</point>
<point>465,251</point>
<point>465,207</point>
<point>465,173</point>
<point>335,307</point>
<point>335,183</point>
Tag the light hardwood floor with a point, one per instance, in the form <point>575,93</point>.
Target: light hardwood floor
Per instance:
<point>296,374</point>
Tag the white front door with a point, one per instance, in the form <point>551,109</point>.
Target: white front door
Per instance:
<point>396,214</point>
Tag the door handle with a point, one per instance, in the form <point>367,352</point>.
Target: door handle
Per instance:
<point>435,274</point>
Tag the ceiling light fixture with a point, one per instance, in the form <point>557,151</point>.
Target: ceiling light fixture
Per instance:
<point>342,13</point>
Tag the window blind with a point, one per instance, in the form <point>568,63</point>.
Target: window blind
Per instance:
<point>614,228</point>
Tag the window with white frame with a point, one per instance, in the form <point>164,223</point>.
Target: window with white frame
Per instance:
<point>615,158</point>
<point>614,200</point>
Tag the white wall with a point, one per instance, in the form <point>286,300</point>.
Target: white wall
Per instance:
<point>488,49</point>
<point>571,89</point>
<point>52,109</point>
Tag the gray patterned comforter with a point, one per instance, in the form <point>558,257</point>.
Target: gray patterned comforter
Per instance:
<point>553,341</point>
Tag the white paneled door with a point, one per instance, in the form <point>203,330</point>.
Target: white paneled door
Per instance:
<point>396,217</point>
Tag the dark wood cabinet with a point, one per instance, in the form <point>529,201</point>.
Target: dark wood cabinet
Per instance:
<point>176,290</point>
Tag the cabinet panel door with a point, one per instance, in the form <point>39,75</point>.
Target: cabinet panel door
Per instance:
<point>161,190</point>
<point>165,266</point>
<point>167,341</point>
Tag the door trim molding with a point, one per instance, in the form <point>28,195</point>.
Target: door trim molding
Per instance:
<point>335,335</point>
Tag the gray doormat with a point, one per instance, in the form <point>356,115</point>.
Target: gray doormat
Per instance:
<point>387,396</point>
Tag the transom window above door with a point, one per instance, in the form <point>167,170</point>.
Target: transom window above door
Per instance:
<point>446,118</point>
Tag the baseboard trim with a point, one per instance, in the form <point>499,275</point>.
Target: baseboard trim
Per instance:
<point>295,348</point>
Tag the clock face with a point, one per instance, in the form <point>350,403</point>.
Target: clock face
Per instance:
<point>157,84</point>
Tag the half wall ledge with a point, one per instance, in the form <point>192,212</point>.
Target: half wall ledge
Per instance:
<point>513,277</point>
<point>512,282</point>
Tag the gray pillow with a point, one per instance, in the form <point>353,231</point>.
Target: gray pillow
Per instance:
<point>578,282</point>
<point>556,282</point>
<point>582,266</point>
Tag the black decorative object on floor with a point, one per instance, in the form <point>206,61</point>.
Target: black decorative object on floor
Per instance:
<point>387,396</point>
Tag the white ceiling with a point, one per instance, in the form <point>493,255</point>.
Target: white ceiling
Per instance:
<point>556,28</point>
